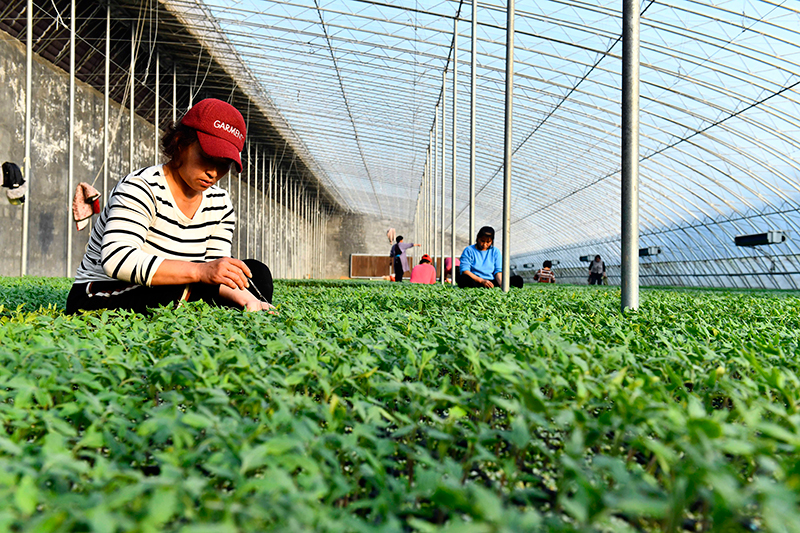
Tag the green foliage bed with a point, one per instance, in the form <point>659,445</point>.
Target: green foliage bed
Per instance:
<point>376,407</point>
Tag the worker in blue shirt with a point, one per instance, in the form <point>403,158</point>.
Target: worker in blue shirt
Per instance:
<point>481,263</point>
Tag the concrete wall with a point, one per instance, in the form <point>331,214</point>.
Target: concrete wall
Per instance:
<point>287,246</point>
<point>362,234</point>
<point>358,234</point>
<point>50,194</point>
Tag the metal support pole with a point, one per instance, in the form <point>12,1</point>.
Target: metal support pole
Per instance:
<point>248,219</point>
<point>426,218</point>
<point>23,269</point>
<point>432,197</point>
<point>294,230</point>
<point>71,164</point>
<point>472,105</point>
<point>239,216</point>
<point>263,207</point>
<point>284,225</point>
<point>158,97</point>
<point>453,158</point>
<point>174,92</point>
<point>271,223</point>
<point>435,160</point>
<point>630,154</point>
<point>106,103</point>
<point>508,147</point>
<point>133,68</point>
<point>444,143</point>
<point>256,217</point>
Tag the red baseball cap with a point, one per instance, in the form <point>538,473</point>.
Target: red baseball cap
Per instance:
<point>426,256</point>
<point>220,129</point>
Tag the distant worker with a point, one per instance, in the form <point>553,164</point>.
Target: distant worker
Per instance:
<point>481,263</point>
<point>424,272</point>
<point>448,268</point>
<point>165,234</point>
<point>399,257</point>
<point>545,274</point>
<point>597,271</point>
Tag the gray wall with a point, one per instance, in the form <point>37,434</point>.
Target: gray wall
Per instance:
<point>285,247</point>
<point>358,234</point>
<point>49,192</point>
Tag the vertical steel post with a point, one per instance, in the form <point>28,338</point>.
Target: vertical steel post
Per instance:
<point>174,92</point>
<point>158,97</point>
<point>239,216</point>
<point>71,164</point>
<point>630,154</point>
<point>23,268</point>
<point>472,106</point>
<point>284,224</point>
<point>508,147</point>
<point>131,89</point>
<point>294,230</point>
<point>444,144</point>
<point>264,207</point>
<point>432,196</point>
<point>247,202</point>
<point>255,203</point>
<point>270,222</point>
<point>106,103</point>
<point>454,140</point>
<point>435,159</point>
<point>426,212</point>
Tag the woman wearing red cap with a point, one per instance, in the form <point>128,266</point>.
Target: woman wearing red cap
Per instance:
<point>424,272</point>
<point>165,234</point>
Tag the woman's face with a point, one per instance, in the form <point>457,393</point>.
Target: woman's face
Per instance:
<point>483,243</point>
<point>198,170</point>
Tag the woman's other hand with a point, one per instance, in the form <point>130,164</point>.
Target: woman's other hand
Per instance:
<point>226,271</point>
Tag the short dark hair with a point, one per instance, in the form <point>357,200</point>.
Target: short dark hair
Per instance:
<point>547,264</point>
<point>597,256</point>
<point>177,137</point>
<point>399,238</point>
<point>486,231</point>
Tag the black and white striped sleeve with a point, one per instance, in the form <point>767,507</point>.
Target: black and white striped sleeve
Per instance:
<point>132,212</point>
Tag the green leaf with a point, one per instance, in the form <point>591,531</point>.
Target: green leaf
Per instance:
<point>26,497</point>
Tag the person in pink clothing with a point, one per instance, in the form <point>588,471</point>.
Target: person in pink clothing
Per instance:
<point>424,272</point>
<point>448,268</point>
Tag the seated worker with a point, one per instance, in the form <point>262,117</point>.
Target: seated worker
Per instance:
<point>481,263</point>
<point>165,234</point>
<point>448,268</point>
<point>424,272</point>
<point>544,274</point>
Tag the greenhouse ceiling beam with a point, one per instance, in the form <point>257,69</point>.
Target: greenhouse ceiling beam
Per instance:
<point>568,74</point>
<point>349,111</point>
<point>661,150</point>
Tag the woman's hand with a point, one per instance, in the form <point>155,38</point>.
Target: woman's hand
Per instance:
<point>487,283</point>
<point>245,299</point>
<point>258,305</point>
<point>226,271</point>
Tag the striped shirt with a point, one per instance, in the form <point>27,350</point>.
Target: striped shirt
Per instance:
<point>544,275</point>
<point>141,226</point>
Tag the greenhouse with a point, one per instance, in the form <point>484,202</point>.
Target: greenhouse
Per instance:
<point>661,135</point>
